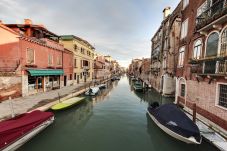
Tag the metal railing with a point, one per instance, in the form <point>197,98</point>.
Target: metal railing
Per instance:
<point>218,9</point>
<point>210,67</point>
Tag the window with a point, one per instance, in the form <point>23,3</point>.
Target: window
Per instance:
<point>81,64</point>
<point>222,95</point>
<point>212,44</point>
<point>164,64</point>
<point>166,43</point>
<point>182,90</point>
<point>75,64</point>
<point>184,29</point>
<point>59,60</point>
<point>181,57</point>
<point>82,50</point>
<point>30,56</point>
<point>224,42</point>
<point>81,75</point>
<point>50,59</point>
<point>74,76</point>
<point>85,63</point>
<point>70,77</point>
<point>185,3</point>
<point>197,49</point>
<point>75,47</point>
<point>204,7</point>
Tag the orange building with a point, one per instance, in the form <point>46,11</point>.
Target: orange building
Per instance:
<point>31,60</point>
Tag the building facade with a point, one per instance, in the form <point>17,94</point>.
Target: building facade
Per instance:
<point>31,60</point>
<point>201,69</point>
<point>164,49</point>
<point>83,57</point>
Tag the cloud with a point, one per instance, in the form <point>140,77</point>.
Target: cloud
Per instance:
<point>122,29</point>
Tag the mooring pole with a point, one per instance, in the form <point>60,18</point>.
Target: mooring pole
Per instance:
<point>194,112</point>
<point>59,98</point>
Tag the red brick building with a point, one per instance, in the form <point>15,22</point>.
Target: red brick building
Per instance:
<point>202,60</point>
<point>31,60</point>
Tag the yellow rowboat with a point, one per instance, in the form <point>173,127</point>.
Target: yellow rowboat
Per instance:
<point>67,103</point>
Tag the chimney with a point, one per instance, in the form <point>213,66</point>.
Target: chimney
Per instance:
<point>1,22</point>
<point>166,12</point>
<point>27,21</point>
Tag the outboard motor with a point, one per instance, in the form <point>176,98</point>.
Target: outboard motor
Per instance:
<point>154,105</point>
<point>90,91</point>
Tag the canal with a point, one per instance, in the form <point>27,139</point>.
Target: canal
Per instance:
<point>116,120</point>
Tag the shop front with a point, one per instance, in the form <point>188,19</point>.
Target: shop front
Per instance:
<point>40,80</point>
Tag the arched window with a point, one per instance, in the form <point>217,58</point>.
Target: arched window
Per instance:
<point>212,44</point>
<point>197,49</point>
<point>223,51</point>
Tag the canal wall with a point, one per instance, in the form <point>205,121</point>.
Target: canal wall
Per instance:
<point>73,94</point>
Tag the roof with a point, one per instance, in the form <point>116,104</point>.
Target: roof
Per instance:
<point>8,29</point>
<point>40,27</point>
<point>71,37</point>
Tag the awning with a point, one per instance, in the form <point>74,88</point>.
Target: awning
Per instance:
<point>40,72</point>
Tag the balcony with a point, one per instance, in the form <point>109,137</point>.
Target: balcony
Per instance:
<point>214,15</point>
<point>210,67</point>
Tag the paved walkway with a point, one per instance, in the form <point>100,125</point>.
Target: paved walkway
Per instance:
<point>24,104</point>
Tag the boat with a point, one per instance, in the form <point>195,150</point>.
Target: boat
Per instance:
<point>67,103</point>
<point>138,86</point>
<point>115,78</point>
<point>16,131</point>
<point>133,79</point>
<point>92,91</point>
<point>102,86</point>
<point>175,122</point>
<point>118,78</point>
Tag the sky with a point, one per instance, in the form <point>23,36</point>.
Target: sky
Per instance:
<point>120,28</point>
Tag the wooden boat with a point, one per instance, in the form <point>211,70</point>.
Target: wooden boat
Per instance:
<point>17,131</point>
<point>92,91</point>
<point>138,86</point>
<point>175,122</point>
<point>67,103</point>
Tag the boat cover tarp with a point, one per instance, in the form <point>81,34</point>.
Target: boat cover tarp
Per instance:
<point>13,129</point>
<point>176,120</point>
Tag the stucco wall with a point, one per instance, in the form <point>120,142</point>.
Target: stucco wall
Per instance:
<point>10,86</point>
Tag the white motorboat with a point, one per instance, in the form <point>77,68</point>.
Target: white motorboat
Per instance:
<point>92,91</point>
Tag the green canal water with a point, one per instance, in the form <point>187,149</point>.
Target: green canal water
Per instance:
<point>116,120</point>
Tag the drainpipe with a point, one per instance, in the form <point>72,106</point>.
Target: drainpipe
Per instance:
<point>62,67</point>
<point>176,91</point>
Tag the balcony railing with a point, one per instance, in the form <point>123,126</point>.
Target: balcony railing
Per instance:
<point>217,10</point>
<point>210,67</point>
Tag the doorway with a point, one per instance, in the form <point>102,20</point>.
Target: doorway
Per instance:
<point>65,80</point>
<point>78,79</point>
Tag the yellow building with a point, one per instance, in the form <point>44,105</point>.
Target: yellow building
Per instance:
<point>83,57</point>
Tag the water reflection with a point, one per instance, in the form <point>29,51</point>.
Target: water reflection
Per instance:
<point>104,93</point>
<point>113,120</point>
<point>149,95</point>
